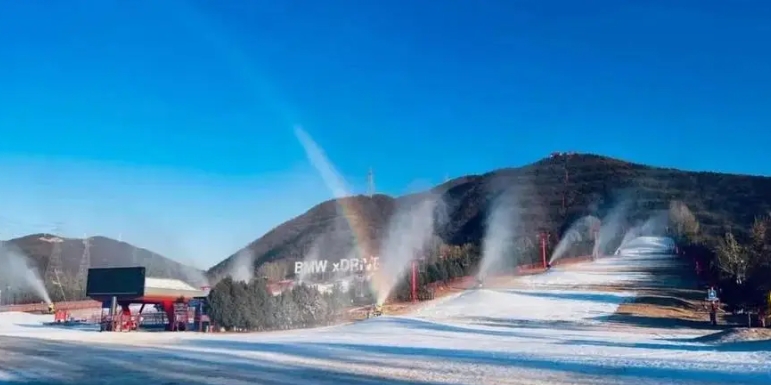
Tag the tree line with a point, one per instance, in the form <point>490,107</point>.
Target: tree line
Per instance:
<point>238,305</point>
<point>738,264</point>
<point>242,306</point>
<point>742,266</point>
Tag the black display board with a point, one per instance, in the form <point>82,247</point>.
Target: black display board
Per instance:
<point>119,282</point>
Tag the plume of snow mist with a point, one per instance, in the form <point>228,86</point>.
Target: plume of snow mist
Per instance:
<point>310,263</point>
<point>656,224</point>
<point>632,233</point>
<point>242,267</point>
<point>613,224</point>
<point>18,273</point>
<point>503,219</point>
<point>195,277</point>
<point>409,232</point>
<point>578,231</point>
<point>321,163</point>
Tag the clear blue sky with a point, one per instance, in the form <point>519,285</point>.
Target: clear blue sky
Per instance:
<point>170,122</point>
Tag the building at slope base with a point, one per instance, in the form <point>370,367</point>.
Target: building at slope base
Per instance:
<point>121,287</point>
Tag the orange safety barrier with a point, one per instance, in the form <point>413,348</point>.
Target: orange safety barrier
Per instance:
<point>61,316</point>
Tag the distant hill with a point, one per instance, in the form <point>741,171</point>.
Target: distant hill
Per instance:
<point>587,184</point>
<point>104,252</point>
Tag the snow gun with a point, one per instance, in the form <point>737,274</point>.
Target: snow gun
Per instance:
<point>378,310</point>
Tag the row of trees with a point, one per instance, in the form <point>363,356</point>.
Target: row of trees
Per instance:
<point>738,263</point>
<point>238,305</point>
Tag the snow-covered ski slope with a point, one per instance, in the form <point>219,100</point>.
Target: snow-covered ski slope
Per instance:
<point>534,334</point>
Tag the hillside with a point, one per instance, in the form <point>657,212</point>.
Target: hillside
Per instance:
<point>595,185</point>
<point>104,252</point>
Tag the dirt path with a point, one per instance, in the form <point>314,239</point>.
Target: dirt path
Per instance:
<point>671,300</point>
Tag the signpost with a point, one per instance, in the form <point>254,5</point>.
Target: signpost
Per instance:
<point>711,294</point>
<point>713,301</point>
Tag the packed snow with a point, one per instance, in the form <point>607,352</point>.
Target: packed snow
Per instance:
<point>648,245</point>
<point>528,335</point>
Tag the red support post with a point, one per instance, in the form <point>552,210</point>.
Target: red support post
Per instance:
<point>414,281</point>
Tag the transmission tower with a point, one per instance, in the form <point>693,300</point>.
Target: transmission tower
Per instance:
<point>85,261</point>
<point>54,269</point>
<point>370,183</point>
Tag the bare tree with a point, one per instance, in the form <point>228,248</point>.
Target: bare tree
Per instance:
<point>760,242</point>
<point>732,258</point>
<point>684,223</point>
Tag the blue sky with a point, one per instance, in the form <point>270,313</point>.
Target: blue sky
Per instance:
<point>171,122</point>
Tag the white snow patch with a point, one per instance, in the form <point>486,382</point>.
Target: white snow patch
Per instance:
<point>532,305</point>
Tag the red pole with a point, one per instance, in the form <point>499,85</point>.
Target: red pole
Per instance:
<point>543,249</point>
<point>414,281</point>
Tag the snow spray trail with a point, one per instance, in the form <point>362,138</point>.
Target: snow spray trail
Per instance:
<point>503,221</point>
<point>578,231</point>
<point>18,273</point>
<point>409,232</point>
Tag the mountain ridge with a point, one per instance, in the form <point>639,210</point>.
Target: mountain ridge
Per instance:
<point>103,251</point>
<point>588,184</point>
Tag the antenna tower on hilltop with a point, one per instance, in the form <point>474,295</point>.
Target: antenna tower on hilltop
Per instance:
<point>370,183</point>
<point>54,268</point>
<point>85,261</point>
